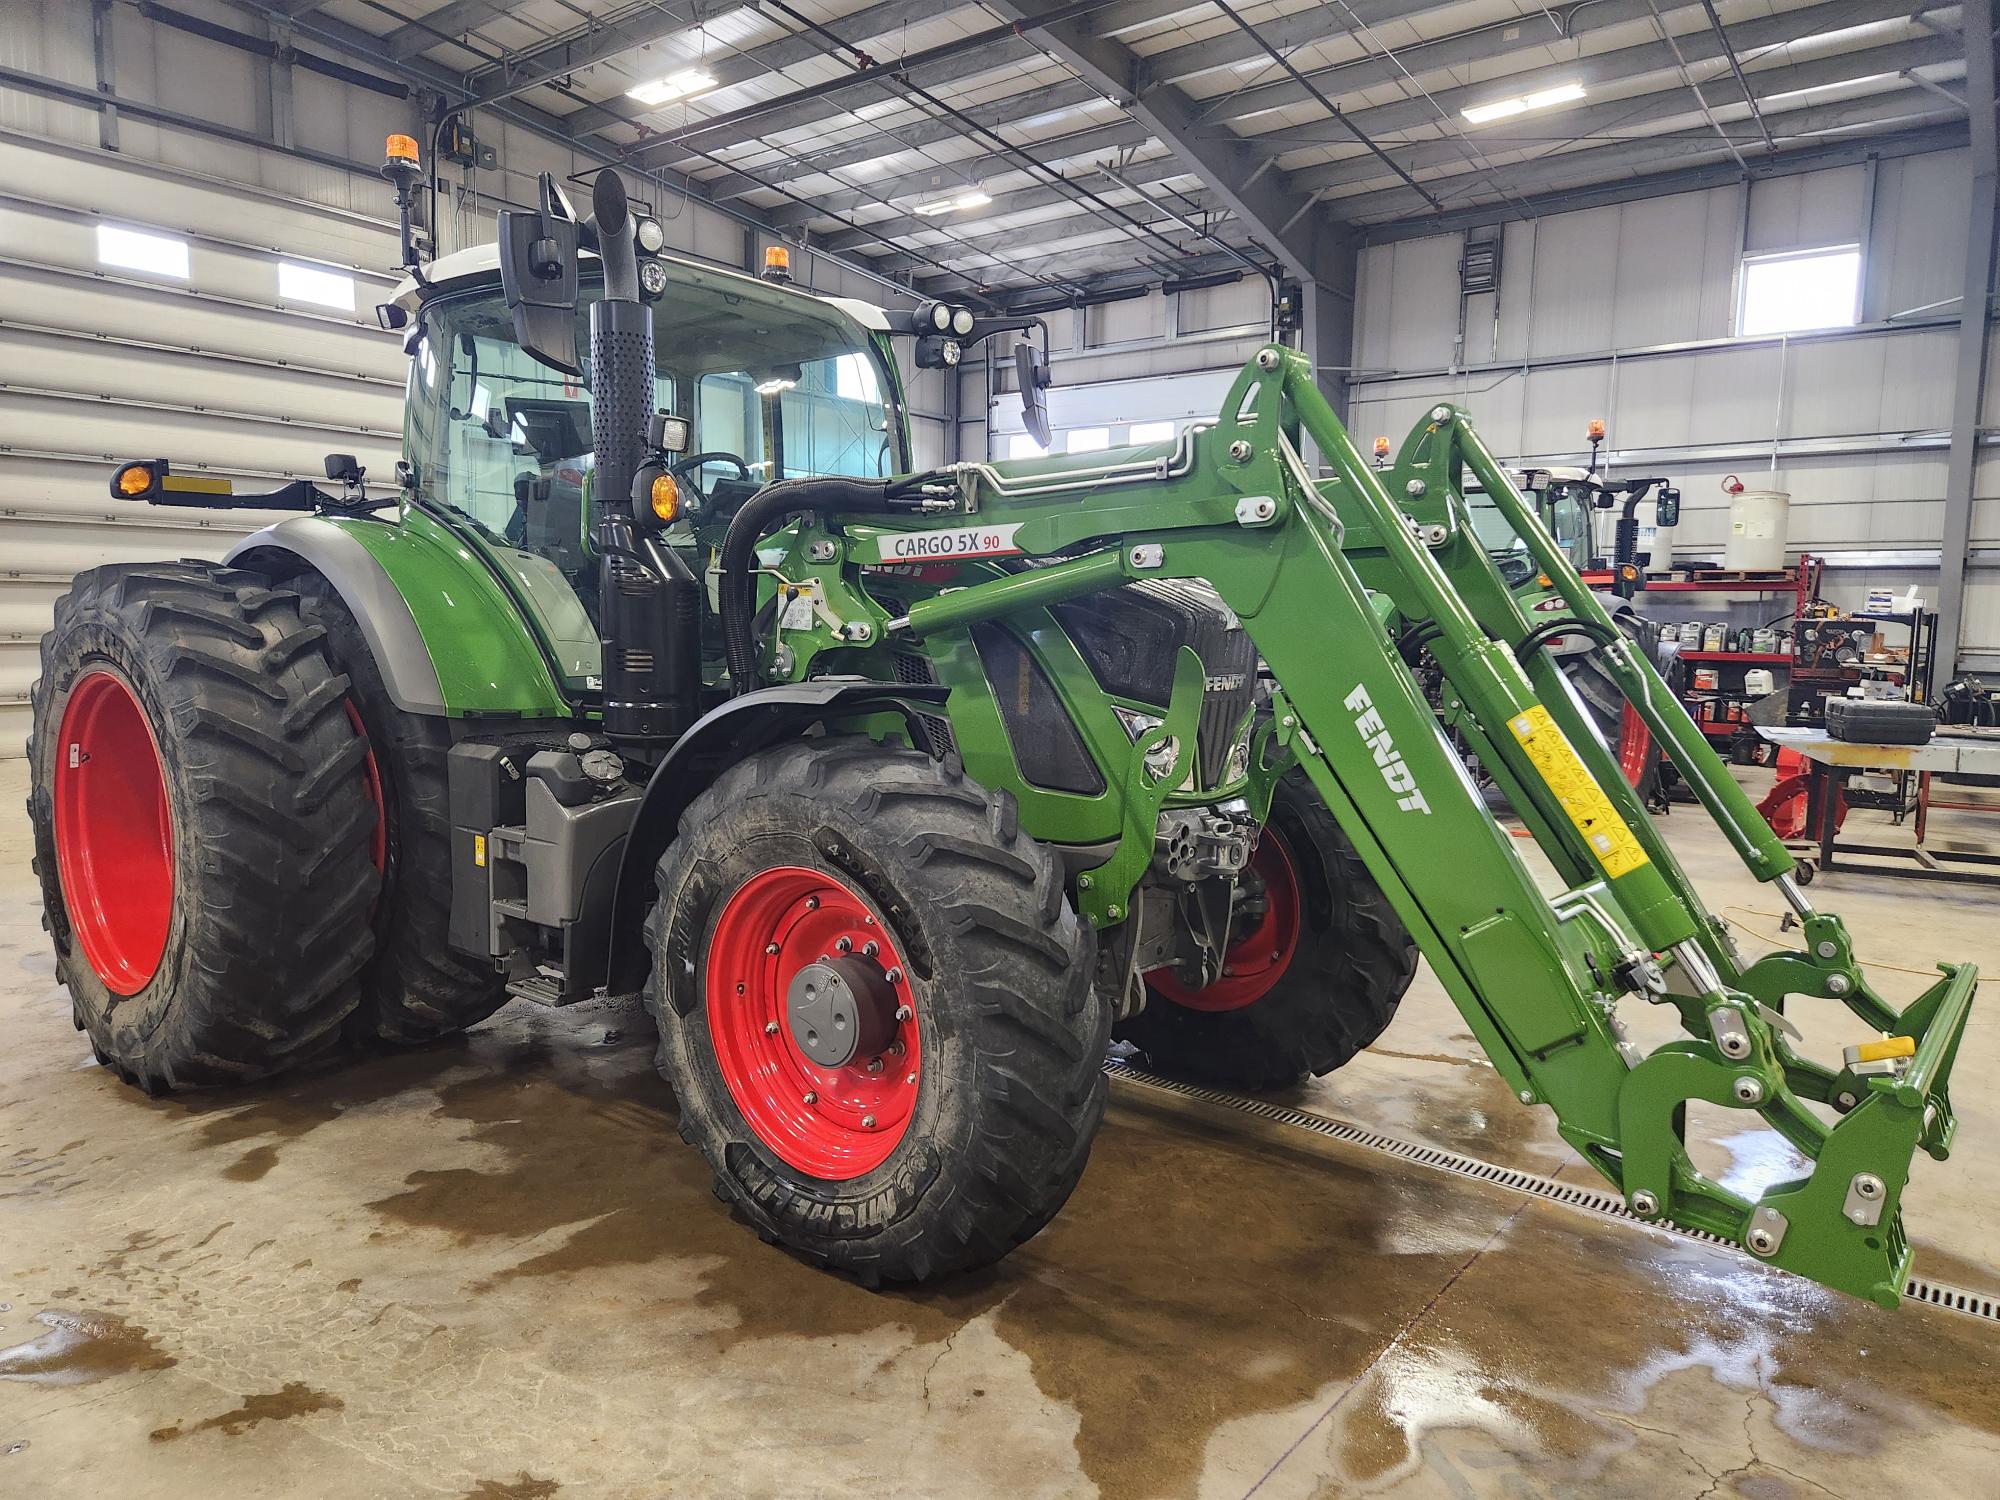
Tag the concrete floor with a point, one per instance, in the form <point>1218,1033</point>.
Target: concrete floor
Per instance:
<point>491,1270</point>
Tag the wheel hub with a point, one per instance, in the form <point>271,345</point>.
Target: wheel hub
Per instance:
<point>840,1007</point>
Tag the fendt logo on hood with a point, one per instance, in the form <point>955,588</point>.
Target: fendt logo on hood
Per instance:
<point>1375,734</point>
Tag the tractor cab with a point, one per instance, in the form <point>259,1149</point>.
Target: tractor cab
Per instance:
<point>772,383</point>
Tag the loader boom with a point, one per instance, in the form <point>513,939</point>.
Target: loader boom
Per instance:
<point>1340,581</point>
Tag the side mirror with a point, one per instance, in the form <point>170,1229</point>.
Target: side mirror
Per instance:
<point>538,254</point>
<point>1667,508</point>
<point>342,466</point>
<point>1031,373</point>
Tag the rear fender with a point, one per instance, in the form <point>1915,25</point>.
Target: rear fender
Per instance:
<point>446,634</point>
<point>739,729</point>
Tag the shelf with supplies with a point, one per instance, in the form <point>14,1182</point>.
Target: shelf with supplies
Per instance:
<point>1747,658</point>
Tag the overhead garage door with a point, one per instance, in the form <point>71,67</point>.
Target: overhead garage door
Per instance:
<point>215,370</point>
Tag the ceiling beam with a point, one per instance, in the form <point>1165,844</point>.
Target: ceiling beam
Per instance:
<point>1149,73</point>
<point>1480,45</point>
<point>730,68</point>
<point>454,19</point>
<point>1258,195</point>
<point>1806,158</point>
<point>1637,112</point>
<point>1903,108</point>
<point>587,46</point>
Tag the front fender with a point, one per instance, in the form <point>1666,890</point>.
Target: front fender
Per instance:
<point>738,729</point>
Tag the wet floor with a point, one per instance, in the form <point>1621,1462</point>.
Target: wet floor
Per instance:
<point>490,1269</point>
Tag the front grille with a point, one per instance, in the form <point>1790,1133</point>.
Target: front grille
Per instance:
<point>1130,635</point>
<point>1047,745</point>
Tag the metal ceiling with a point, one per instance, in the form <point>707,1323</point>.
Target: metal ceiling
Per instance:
<point>1125,141</point>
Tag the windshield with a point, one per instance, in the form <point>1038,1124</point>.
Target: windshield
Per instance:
<point>777,386</point>
<point>1563,508</point>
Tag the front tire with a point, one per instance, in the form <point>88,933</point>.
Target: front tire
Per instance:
<point>1314,980</point>
<point>202,824</point>
<point>974,1127</point>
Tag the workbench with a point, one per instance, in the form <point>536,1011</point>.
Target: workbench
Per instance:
<point>1953,751</point>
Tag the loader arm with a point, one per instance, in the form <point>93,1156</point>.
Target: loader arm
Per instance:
<point>1306,564</point>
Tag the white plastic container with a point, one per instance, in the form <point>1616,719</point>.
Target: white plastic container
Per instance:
<point>1757,520</point>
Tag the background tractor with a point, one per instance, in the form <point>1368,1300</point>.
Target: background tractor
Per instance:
<point>895,793</point>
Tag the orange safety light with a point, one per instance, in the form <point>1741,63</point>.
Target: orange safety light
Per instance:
<point>665,498</point>
<point>1596,429</point>
<point>402,148</point>
<point>777,263</point>
<point>1381,447</point>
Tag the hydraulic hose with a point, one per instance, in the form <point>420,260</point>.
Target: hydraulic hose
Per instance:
<point>765,511</point>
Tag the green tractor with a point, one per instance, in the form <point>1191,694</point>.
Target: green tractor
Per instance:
<point>898,793</point>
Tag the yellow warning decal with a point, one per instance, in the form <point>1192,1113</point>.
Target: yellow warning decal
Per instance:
<point>1581,797</point>
<point>479,850</point>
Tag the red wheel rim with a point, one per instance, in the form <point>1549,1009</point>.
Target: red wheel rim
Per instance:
<point>1256,961</point>
<point>833,1123</point>
<point>371,781</point>
<point>1633,744</point>
<point>114,835</point>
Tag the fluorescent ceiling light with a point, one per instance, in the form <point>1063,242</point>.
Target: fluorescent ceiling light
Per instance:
<point>681,85</point>
<point>773,386</point>
<point>971,198</point>
<point>1520,104</point>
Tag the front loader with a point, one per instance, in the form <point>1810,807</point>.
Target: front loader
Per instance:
<point>896,792</point>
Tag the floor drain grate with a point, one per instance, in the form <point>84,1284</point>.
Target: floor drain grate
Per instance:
<point>1590,1200</point>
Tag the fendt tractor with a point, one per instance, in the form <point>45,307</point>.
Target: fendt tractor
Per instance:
<point>898,793</point>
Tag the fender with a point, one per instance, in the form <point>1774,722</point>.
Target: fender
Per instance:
<point>446,634</point>
<point>740,728</point>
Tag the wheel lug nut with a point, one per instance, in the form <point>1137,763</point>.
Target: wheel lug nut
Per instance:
<point>867,1122</point>
<point>844,945</point>
<point>772,949</point>
<point>874,1064</point>
<point>903,1012</point>
<point>811,1097</point>
<point>770,1028</point>
<point>912,1078</point>
<point>812,903</point>
<point>870,948</point>
<point>894,976</point>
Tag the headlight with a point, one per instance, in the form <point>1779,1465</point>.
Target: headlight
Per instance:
<point>651,235</point>
<point>951,352</point>
<point>652,276</point>
<point>961,322</point>
<point>941,318</point>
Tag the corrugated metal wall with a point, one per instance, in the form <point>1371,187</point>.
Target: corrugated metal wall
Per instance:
<point>216,372</point>
<point>1854,424</point>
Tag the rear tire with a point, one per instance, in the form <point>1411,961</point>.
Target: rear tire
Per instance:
<point>417,988</point>
<point>807,844</point>
<point>1350,961</point>
<point>201,823</point>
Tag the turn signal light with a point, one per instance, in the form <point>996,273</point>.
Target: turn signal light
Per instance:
<point>402,148</point>
<point>136,481</point>
<point>666,498</point>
